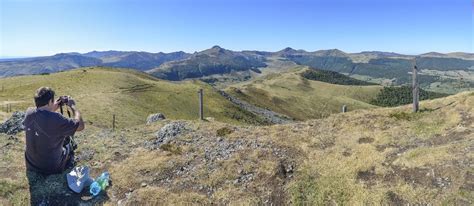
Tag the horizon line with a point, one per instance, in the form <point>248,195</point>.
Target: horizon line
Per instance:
<point>98,50</point>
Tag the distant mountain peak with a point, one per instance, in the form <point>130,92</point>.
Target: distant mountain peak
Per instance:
<point>215,50</point>
<point>287,51</point>
<point>216,47</point>
<point>336,51</point>
<point>331,52</point>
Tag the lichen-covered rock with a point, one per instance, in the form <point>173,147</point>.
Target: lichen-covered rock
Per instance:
<point>154,118</point>
<point>14,124</point>
<point>171,131</point>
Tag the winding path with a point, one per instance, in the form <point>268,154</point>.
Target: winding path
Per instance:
<point>268,115</point>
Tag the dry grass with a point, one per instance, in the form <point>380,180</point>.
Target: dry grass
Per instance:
<point>290,94</point>
<point>364,157</point>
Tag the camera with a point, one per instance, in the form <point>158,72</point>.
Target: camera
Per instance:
<point>63,100</point>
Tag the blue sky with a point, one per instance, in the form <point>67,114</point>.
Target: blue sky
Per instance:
<point>34,28</point>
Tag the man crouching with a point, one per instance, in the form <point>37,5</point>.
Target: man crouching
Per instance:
<point>46,133</point>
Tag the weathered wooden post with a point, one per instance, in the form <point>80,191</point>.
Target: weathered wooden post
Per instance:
<point>201,108</point>
<point>113,122</point>
<point>416,89</point>
<point>344,108</point>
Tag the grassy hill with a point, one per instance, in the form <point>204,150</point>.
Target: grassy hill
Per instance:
<point>383,156</point>
<point>130,95</point>
<point>293,95</point>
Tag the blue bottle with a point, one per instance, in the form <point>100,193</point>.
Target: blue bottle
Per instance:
<point>100,184</point>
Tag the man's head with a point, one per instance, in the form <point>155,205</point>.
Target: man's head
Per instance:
<point>44,97</point>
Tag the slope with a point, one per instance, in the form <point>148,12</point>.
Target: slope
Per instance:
<point>385,156</point>
<point>291,94</point>
<point>130,95</point>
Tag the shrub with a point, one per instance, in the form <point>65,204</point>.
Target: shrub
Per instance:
<point>171,148</point>
<point>332,77</point>
<point>223,131</point>
<point>401,116</point>
<point>395,96</point>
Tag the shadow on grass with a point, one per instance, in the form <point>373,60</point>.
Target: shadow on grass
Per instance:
<point>53,190</point>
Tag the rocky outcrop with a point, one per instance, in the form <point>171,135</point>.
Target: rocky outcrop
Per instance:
<point>14,124</point>
<point>171,131</point>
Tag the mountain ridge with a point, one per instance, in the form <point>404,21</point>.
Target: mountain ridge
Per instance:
<point>215,60</point>
<point>389,67</point>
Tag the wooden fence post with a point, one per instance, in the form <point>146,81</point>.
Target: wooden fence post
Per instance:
<point>113,122</point>
<point>201,108</point>
<point>416,89</point>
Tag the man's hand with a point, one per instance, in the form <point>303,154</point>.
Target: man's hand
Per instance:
<point>56,104</point>
<point>70,102</point>
<point>77,115</point>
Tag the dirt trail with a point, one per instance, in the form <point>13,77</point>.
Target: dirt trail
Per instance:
<point>268,115</point>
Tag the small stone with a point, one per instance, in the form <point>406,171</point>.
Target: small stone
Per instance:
<point>154,118</point>
<point>144,184</point>
<point>128,194</point>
